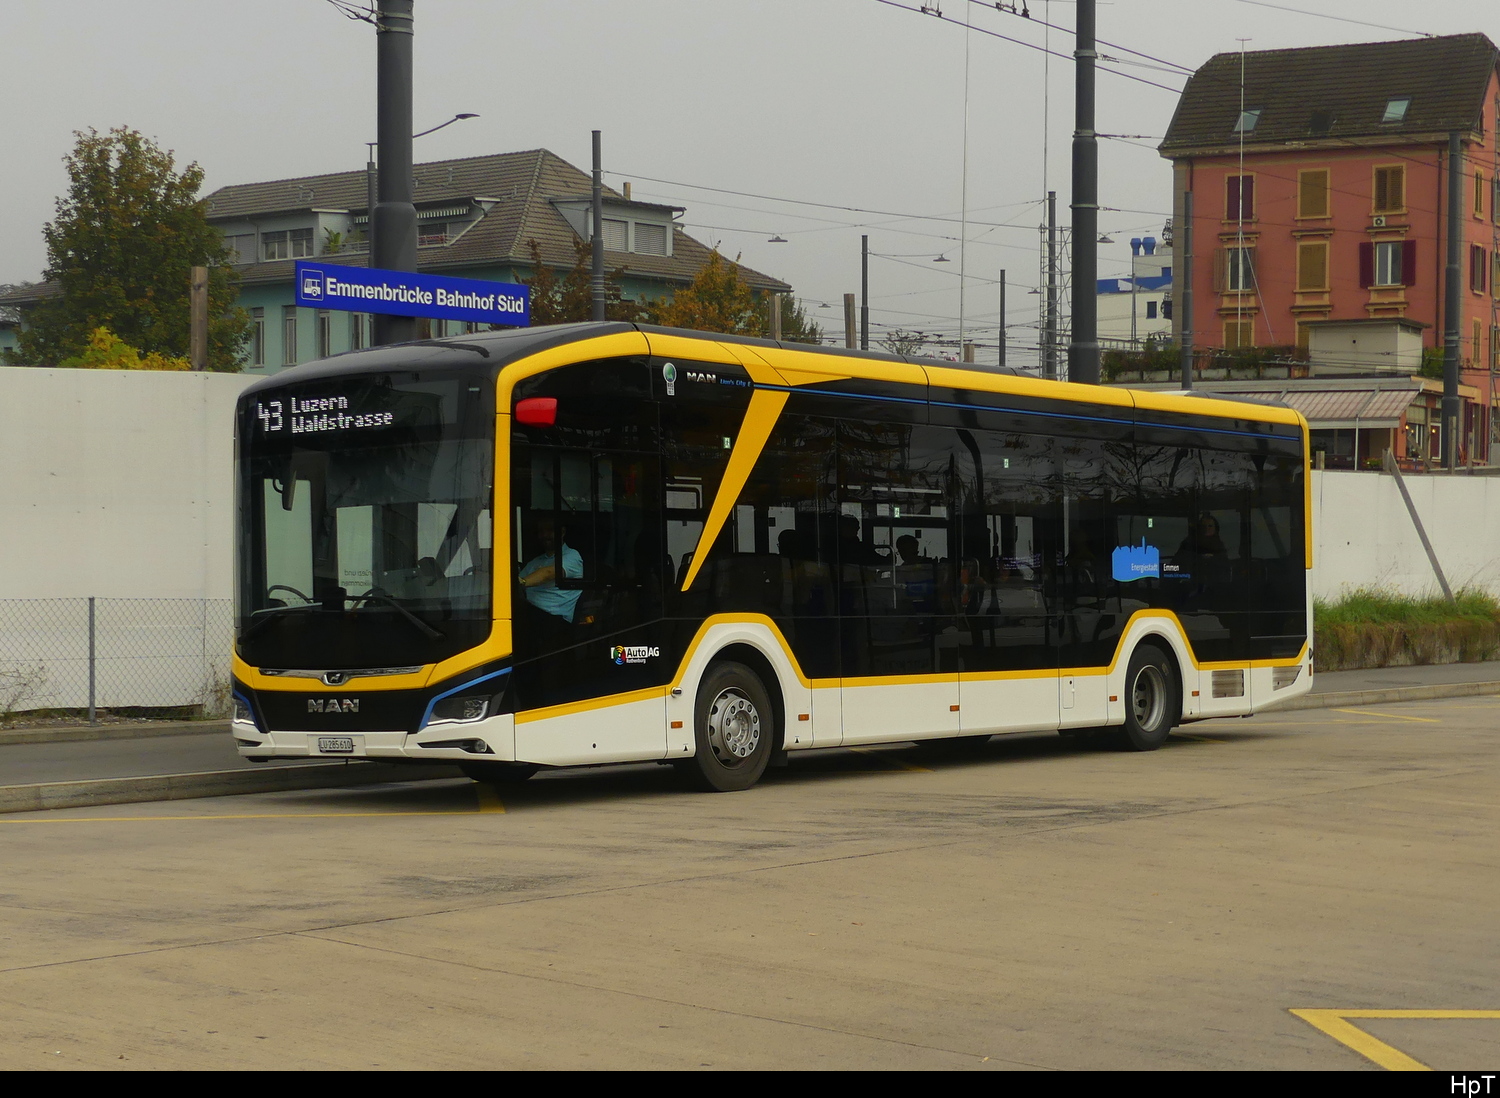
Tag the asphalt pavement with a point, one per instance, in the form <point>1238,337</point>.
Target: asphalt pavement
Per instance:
<point>51,766</point>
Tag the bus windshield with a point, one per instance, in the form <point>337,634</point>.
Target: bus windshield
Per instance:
<point>365,521</point>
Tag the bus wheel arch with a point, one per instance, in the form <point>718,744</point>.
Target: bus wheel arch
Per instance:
<point>1152,695</point>
<point>735,727</point>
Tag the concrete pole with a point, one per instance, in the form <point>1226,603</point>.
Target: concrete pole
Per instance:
<point>394,219</point>
<point>1083,352</point>
<point>864,293</point>
<point>775,315</point>
<point>1185,298</point>
<point>849,332</point>
<point>1453,304</point>
<point>597,250</point>
<point>198,318</point>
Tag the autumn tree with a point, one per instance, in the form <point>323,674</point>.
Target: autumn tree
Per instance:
<point>717,300</point>
<point>570,298</point>
<point>899,341</point>
<point>121,248</point>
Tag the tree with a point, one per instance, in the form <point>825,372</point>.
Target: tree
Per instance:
<point>570,299</point>
<point>717,300</point>
<point>796,325</point>
<point>126,235</point>
<point>898,341</point>
<point>107,351</point>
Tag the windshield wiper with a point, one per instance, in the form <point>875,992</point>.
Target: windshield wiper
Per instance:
<point>407,614</point>
<point>270,614</point>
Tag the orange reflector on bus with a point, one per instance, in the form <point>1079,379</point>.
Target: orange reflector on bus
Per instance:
<point>537,411</point>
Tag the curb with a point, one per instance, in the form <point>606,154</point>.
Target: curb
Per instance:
<point>86,733</point>
<point>1392,694</point>
<point>214,783</point>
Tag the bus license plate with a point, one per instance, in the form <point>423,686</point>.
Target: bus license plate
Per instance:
<point>336,745</point>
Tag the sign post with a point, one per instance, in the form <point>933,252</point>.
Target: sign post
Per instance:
<point>407,293</point>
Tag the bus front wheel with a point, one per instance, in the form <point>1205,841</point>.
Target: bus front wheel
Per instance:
<point>735,729</point>
<point>1153,700</point>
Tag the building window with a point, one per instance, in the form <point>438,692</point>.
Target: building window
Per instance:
<point>1478,194</point>
<point>1150,310</point>
<point>1388,263</point>
<point>1312,193</point>
<point>1390,189</point>
<point>1479,262</point>
<point>1495,273</point>
<point>357,331</point>
<point>1166,308</point>
<point>289,335</point>
<point>1495,348</point>
<point>650,239</point>
<point>1236,270</point>
<point>325,333</point>
<point>1239,333</point>
<point>241,248</point>
<point>1312,265</point>
<point>287,244</point>
<point>257,337</point>
<point>616,235</point>
<point>1239,198</point>
<point>1475,334</point>
<point>1395,109</point>
<point>1246,121</point>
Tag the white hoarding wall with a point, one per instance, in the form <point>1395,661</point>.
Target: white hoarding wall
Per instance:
<point>1365,537</point>
<point>118,485</point>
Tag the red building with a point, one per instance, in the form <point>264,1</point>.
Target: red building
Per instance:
<point>1319,181</point>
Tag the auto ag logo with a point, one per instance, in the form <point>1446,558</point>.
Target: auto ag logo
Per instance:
<point>639,653</point>
<point>312,283</point>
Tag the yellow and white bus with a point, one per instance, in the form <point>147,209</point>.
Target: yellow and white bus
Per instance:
<point>604,543</point>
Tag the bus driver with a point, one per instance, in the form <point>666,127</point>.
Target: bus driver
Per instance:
<point>539,575</point>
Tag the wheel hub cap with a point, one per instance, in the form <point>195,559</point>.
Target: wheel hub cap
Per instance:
<point>1148,697</point>
<point>733,727</point>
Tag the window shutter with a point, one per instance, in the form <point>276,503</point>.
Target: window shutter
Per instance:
<point>1312,194</point>
<point>1312,263</point>
<point>1232,197</point>
<point>1247,197</point>
<point>1366,264</point>
<point>1220,262</point>
<point>1408,263</point>
<point>1395,188</point>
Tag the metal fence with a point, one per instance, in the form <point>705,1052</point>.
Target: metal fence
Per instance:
<point>91,654</point>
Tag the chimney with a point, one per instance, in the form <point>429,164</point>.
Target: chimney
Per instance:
<point>627,192</point>
<point>1149,244</point>
<point>1135,245</point>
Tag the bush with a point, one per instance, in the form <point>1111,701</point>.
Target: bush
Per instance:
<point>1374,628</point>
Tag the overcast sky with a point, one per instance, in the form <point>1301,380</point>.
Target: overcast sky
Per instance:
<point>848,103</point>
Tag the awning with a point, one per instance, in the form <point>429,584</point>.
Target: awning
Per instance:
<point>1326,409</point>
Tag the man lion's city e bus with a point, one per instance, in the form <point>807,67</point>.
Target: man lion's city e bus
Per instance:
<point>606,543</point>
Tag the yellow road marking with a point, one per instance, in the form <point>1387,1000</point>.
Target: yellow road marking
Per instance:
<point>1335,1023</point>
<point>1389,716</point>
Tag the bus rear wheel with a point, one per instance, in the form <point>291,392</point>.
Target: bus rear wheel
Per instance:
<point>1153,700</point>
<point>735,728</point>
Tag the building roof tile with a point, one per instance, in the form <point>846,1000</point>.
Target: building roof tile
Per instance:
<point>1346,87</point>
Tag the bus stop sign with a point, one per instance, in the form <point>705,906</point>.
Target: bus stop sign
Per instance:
<point>406,293</point>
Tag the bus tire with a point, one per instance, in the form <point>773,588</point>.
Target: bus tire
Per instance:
<point>734,725</point>
<point>498,773</point>
<point>1153,699</point>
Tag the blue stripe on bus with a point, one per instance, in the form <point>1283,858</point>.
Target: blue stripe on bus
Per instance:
<point>449,693</point>
<point>1013,411</point>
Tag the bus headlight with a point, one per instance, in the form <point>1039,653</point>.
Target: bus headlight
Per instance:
<point>461,709</point>
<point>242,712</point>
